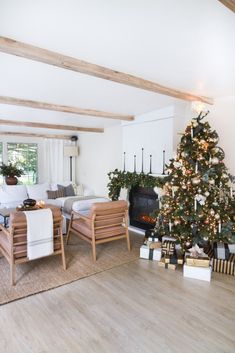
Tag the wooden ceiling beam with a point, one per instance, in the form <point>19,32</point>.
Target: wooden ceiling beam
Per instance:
<point>49,126</point>
<point>24,134</point>
<point>63,108</point>
<point>230,4</point>
<point>24,50</point>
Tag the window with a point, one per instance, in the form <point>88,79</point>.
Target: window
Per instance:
<point>25,156</point>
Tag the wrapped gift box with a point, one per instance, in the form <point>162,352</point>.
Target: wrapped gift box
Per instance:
<point>221,250</point>
<point>201,261</point>
<point>168,247</point>
<point>164,264</point>
<point>151,235</point>
<point>201,273</point>
<point>174,259</point>
<point>150,254</point>
<point>224,266</point>
<point>168,238</point>
<point>231,248</point>
<point>154,245</point>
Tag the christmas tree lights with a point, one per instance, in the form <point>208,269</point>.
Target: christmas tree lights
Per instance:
<point>198,202</point>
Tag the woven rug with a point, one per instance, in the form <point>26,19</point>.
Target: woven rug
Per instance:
<point>47,273</point>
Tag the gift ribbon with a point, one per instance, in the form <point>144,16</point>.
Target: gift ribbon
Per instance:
<point>151,254</point>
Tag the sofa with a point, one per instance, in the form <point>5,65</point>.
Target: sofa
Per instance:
<point>13,195</point>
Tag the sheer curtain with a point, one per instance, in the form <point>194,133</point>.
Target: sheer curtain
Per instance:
<point>55,164</point>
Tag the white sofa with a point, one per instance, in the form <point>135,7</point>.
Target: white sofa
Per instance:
<point>13,195</point>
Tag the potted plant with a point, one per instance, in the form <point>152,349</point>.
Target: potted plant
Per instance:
<point>10,172</point>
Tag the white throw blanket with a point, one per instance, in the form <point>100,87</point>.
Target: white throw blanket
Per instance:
<point>39,233</point>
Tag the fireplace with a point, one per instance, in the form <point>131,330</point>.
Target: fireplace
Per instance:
<point>143,201</point>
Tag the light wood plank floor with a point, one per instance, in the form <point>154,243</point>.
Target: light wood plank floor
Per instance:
<point>134,308</point>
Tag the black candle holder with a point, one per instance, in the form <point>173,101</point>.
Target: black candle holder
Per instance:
<point>150,164</point>
<point>124,161</point>
<point>163,166</point>
<point>142,162</point>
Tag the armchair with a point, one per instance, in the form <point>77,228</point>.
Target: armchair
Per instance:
<point>106,222</point>
<point>13,240</point>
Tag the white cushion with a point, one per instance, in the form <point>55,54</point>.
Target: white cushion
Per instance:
<point>38,191</point>
<point>79,190</point>
<point>13,194</point>
<point>84,205</point>
<point>88,192</point>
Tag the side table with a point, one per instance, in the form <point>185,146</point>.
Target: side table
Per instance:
<point>5,213</point>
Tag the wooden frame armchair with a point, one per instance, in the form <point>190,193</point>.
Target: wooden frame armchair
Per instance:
<point>106,222</point>
<point>13,240</point>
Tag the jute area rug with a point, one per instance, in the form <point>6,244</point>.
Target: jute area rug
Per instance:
<point>47,273</point>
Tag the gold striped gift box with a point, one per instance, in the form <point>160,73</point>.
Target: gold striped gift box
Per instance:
<point>224,266</point>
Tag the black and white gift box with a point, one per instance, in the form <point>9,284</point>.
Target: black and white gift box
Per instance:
<point>221,250</point>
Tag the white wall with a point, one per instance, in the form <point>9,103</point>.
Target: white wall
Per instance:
<point>99,154</point>
<point>152,131</point>
<point>222,119</point>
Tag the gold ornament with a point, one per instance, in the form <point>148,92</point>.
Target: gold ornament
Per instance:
<point>214,160</point>
<point>212,212</point>
<point>217,216</point>
<point>177,221</point>
<point>212,182</point>
<point>196,181</point>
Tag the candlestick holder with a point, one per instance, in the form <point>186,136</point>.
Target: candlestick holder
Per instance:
<point>163,166</point>
<point>142,161</point>
<point>124,161</point>
<point>150,164</point>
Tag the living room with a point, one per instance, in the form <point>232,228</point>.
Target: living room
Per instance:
<point>98,99</point>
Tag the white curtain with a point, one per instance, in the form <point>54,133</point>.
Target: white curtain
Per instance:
<point>55,164</point>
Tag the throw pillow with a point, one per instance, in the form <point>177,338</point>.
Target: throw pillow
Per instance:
<point>54,194</point>
<point>68,190</point>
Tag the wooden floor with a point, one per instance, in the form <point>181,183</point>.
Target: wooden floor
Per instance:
<point>134,308</point>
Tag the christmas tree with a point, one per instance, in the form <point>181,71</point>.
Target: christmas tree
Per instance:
<point>197,206</point>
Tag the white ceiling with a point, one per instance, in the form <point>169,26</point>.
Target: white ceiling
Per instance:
<point>184,44</point>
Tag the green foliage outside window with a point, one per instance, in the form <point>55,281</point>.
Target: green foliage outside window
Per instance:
<point>24,156</point>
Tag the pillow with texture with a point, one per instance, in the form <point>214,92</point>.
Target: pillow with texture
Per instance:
<point>55,194</point>
<point>68,190</point>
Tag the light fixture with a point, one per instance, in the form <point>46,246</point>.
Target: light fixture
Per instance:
<point>70,151</point>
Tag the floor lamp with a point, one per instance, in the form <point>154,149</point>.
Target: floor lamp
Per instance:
<point>71,151</point>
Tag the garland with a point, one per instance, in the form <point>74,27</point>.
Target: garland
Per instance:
<point>119,179</point>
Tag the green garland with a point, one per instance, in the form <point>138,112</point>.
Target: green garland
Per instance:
<point>120,179</point>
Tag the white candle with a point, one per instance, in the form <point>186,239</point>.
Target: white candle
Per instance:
<point>219,227</point>
<point>231,191</point>
<point>195,204</point>
<point>196,167</point>
<point>159,203</point>
<point>191,132</point>
<point>173,192</point>
<point>170,226</point>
